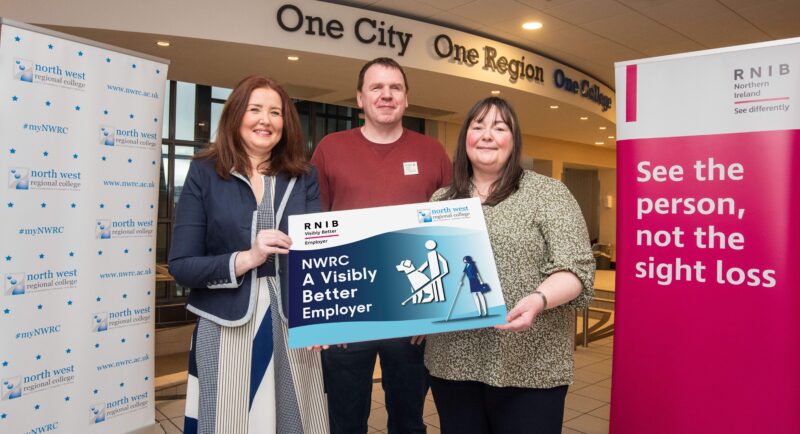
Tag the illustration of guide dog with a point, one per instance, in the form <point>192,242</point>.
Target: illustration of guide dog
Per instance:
<point>430,288</point>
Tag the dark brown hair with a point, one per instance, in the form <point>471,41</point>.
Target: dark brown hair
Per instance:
<point>508,182</point>
<point>228,151</point>
<point>385,62</point>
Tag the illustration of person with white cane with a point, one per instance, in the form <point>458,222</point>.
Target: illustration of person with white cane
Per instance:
<point>476,286</point>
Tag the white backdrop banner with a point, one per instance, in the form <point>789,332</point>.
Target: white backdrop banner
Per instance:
<point>80,135</point>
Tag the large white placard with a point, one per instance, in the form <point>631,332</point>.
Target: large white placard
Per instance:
<point>80,149</point>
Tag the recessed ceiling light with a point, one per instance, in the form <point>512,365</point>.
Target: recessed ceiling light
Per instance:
<point>162,43</point>
<point>532,25</point>
<point>553,107</point>
<point>602,128</point>
<point>495,92</point>
<point>599,143</point>
<point>610,137</point>
<point>293,58</point>
<point>583,118</point>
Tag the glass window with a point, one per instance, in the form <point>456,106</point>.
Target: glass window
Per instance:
<point>184,116</point>
<point>183,156</point>
<point>220,93</point>
<point>165,115</point>
<point>163,187</point>
<point>216,111</point>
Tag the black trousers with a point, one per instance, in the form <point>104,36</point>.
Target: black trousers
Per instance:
<point>471,407</point>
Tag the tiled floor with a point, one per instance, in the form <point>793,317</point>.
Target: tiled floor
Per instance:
<point>587,408</point>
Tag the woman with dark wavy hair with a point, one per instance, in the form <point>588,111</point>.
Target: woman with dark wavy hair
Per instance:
<point>513,378</point>
<point>229,246</point>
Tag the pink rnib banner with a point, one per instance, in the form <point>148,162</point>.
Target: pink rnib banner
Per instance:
<point>706,336</point>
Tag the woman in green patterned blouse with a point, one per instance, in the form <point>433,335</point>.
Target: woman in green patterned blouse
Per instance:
<point>513,378</point>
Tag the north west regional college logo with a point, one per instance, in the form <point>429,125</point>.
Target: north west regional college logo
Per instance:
<point>23,70</point>
<point>14,284</point>
<point>98,413</point>
<point>103,229</point>
<point>12,388</point>
<point>107,136</point>
<point>424,215</point>
<point>100,321</point>
<point>18,178</point>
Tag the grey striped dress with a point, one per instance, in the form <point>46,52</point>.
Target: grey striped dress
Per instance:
<point>245,379</point>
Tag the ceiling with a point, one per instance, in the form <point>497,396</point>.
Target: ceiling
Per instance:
<point>589,35</point>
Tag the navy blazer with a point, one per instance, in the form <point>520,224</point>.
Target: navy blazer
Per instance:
<point>216,218</point>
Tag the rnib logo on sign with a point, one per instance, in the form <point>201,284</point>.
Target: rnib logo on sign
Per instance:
<point>18,178</point>
<point>107,135</point>
<point>15,284</point>
<point>103,229</point>
<point>12,388</point>
<point>424,215</point>
<point>23,70</point>
<point>98,413</point>
<point>100,322</point>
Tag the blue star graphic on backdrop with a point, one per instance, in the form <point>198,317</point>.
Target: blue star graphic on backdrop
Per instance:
<point>125,251</point>
<point>14,98</point>
<point>68,350</point>
<point>154,162</point>
<point>12,150</point>
<point>41,255</point>
<point>75,156</point>
<point>105,112</point>
<point>146,378</point>
<point>50,46</point>
<point>103,158</point>
<point>99,252</point>
<point>99,298</point>
<point>6,311</point>
<point>66,398</point>
<point>122,340</point>
<point>45,153</point>
<point>133,66</point>
<point>38,357</point>
<point>148,292</point>
<point>128,206</point>
<point>8,258</point>
<point>44,205</point>
<point>37,406</point>
<point>102,205</point>
<point>131,116</point>
<point>97,345</point>
<point>80,53</point>
<point>121,384</point>
<point>130,160</point>
<point>72,205</point>
<point>77,108</point>
<point>3,416</point>
<point>108,60</point>
<point>69,302</point>
<point>155,119</point>
<point>10,204</point>
<point>95,391</point>
<point>150,249</point>
<point>17,38</point>
<point>39,307</point>
<point>147,336</point>
<point>158,71</point>
<point>5,363</point>
<point>151,206</point>
<point>47,103</point>
<point>71,254</point>
<point>124,295</point>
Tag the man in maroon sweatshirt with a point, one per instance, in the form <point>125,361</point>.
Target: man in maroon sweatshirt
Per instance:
<point>378,164</point>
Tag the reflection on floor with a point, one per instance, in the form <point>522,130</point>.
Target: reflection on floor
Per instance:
<point>587,408</point>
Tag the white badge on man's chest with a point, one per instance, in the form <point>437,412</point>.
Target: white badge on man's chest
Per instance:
<point>410,168</point>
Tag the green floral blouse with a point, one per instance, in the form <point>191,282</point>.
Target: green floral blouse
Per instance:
<point>535,232</point>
